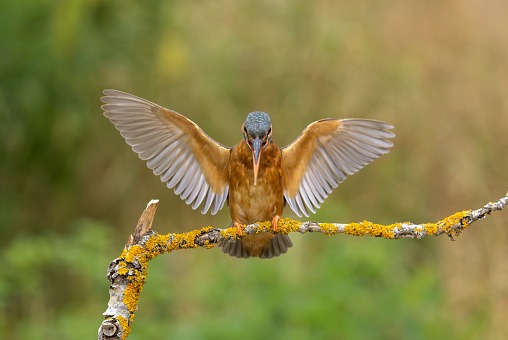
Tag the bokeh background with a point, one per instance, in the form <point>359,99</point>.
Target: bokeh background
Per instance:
<point>71,190</point>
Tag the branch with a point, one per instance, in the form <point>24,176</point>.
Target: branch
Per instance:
<point>128,272</point>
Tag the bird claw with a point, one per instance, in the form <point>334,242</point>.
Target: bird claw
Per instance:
<point>275,221</point>
<point>238,228</point>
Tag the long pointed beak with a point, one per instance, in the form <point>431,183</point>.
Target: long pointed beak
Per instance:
<point>256,156</point>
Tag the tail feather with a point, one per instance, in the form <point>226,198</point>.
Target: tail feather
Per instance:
<point>262,245</point>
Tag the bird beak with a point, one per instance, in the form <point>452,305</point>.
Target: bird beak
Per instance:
<point>256,156</point>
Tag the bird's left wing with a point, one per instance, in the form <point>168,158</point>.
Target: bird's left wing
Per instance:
<point>325,153</point>
<point>174,147</point>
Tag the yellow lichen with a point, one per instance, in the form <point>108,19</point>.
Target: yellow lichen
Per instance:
<point>430,228</point>
<point>125,325</point>
<point>370,229</point>
<point>134,252</point>
<point>287,225</point>
<point>450,221</point>
<point>264,226</point>
<point>329,228</point>
<point>355,229</point>
<point>122,268</point>
<point>131,293</point>
<point>137,279</point>
<point>156,245</point>
<point>229,233</point>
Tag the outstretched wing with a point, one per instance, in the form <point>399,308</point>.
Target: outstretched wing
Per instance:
<point>325,153</point>
<point>174,147</point>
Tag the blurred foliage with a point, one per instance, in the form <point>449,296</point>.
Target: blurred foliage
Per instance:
<point>71,191</point>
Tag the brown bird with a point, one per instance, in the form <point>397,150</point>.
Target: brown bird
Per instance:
<point>255,176</point>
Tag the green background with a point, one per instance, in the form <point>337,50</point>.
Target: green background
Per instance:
<point>71,190</point>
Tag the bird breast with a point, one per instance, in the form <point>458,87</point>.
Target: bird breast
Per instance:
<point>249,203</point>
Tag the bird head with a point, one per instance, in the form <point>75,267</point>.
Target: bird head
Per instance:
<point>257,133</point>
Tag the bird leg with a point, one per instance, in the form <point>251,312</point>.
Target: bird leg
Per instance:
<point>238,228</point>
<point>275,220</point>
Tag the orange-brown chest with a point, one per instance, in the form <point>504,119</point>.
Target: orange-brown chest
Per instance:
<point>249,203</point>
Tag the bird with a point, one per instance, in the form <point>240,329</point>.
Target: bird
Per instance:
<point>256,178</point>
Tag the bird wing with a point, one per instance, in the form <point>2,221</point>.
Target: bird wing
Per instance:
<point>325,153</point>
<point>174,147</point>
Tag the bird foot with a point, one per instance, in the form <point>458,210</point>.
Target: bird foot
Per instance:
<point>238,228</point>
<point>275,220</point>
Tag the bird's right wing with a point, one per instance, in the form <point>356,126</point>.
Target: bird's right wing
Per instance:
<point>325,153</point>
<point>174,147</point>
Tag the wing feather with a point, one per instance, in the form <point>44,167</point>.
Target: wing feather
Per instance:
<point>325,153</point>
<point>208,202</point>
<point>314,187</point>
<point>174,147</point>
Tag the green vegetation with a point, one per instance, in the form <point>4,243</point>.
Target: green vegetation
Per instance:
<point>71,190</point>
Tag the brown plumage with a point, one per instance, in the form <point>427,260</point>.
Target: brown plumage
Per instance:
<point>255,176</point>
<point>249,203</point>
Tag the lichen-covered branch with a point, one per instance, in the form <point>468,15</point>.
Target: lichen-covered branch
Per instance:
<point>128,272</point>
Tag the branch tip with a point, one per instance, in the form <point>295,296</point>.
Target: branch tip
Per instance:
<point>145,222</point>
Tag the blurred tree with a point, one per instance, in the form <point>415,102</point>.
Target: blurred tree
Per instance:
<point>433,69</point>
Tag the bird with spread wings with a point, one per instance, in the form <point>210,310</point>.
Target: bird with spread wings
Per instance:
<point>255,177</point>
